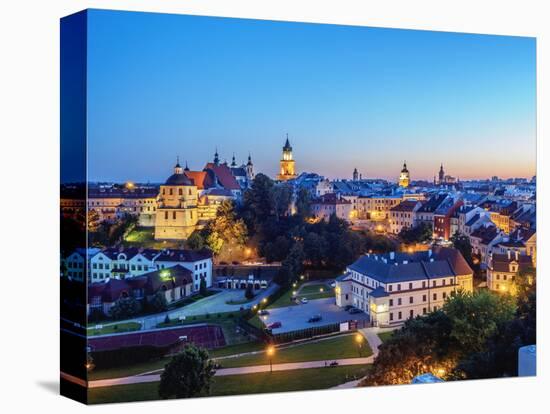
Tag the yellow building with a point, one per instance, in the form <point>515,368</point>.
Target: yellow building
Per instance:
<point>177,212</point>
<point>287,171</point>
<point>404,177</point>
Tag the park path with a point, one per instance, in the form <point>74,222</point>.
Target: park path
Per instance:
<point>212,304</point>
<point>138,379</point>
<point>371,335</point>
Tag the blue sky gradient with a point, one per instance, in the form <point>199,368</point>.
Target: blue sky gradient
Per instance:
<point>164,85</point>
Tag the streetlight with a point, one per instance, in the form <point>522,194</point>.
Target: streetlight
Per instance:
<point>359,340</point>
<point>270,352</point>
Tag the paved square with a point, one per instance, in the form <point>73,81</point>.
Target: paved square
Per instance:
<point>294,318</point>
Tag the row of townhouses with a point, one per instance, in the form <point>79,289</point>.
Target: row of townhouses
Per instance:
<point>110,264</point>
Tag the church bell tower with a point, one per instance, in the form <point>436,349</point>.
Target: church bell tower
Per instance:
<point>287,166</point>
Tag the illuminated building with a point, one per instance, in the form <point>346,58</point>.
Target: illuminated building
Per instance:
<point>177,213</point>
<point>404,177</point>
<point>503,269</point>
<point>394,287</point>
<point>287,169</point>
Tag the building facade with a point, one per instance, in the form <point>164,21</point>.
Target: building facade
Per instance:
<point>394,287</point>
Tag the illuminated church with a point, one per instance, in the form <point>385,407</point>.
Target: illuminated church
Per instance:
<point>287,169</point>
<point>404,177</point>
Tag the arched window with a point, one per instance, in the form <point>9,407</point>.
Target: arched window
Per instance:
<point>180,191</point>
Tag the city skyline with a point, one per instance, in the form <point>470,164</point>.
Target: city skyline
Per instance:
<point>349,97</point>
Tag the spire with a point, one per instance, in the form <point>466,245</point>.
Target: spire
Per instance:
<point>249,159</point>
<point>177,167</point>
<point>233,163</point>
<point>186,166</point>
<point>216,157</point>
<point>287,146</point>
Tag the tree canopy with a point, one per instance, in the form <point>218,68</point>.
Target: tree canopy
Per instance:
<point>188,374</point>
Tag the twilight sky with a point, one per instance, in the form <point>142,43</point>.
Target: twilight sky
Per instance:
<point>164,85</point>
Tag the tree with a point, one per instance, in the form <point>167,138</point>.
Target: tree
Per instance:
<point>281,196</point>
<point>315,248</point>
<point>257,201</point>
<point>292,266</point>
<point>303,203</point>
<point>125,308</point>
<point>226,229</point>
<point>196,241</point>
<point>188,374</point>
<point>421,233</point>
<point>203,289</point>
<point>249,292</point>
<point>462,243</point>
<point>157,302</point>
<point>475,317</point>
<point>442,340</point>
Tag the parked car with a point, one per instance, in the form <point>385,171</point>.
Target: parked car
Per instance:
<point>274,325</point>
<point>353,311</point>
<point>264,312</point>
<point>334,364</point>
<point>333,285</point>
<point>304,300</point>
<point>315,318</point>
<point>348,307</point>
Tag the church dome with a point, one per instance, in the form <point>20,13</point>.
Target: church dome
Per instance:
<point>178,179</point>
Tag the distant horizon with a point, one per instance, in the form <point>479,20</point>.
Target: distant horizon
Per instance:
<point>163,85</point>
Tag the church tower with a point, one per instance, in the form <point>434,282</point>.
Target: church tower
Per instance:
<point>355,174</point>
<point>287,171</point>
<point>216,158</point>
<point>441,175</point>
<point>249,169</point>
<point>404,177</point>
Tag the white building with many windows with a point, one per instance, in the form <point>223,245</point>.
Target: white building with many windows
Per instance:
<point>115,263</point>
<point>394,287</point>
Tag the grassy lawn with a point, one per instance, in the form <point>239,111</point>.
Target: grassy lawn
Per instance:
<point>384,336</point>
<point>298,380</point>
<point>115,328</point>
<point>328,349</point>
<point>144,237</point>
<point>237,349</point>
<point>126,371</point>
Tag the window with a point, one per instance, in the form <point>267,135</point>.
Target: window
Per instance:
<point>424,311</point>
<point>410,285</point>
<point>498,277</point>
<point>411,299</point>
<point>399,286</point>
<point>391,316</point>
<point>424,298</point>
<point>173,215</point>
<point>180,192</point>
<point>391,287</point>
<point>391,302</point>
<point>443,282</point>
<point>171,191</point>
<point>165,215</point>
<point>434,283</point>
<point>435,296</point>
<point>399,302</point>
<point>399,315</point>
<point>423,285</point>
<point>411,313</point>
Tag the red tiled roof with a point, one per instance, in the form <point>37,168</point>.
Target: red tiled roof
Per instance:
<point>200,178</point>
<point>224,175</point>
